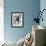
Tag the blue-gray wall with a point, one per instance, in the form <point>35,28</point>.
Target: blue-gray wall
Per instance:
<point>43,6</point>
<point>29,7</point>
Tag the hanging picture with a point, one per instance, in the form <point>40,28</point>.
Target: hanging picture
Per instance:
<point>17,19</point>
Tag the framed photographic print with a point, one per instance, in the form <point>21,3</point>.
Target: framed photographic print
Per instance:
<point>17,19</point>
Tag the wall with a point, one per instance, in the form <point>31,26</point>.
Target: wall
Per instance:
<point>43,6</point>
<point>29,7</point>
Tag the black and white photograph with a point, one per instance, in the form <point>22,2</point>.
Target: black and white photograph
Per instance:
<point>17,19</point>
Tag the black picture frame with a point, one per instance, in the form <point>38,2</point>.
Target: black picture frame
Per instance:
<point>17,19</point>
